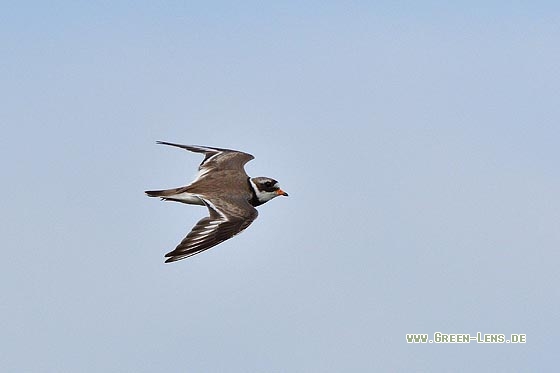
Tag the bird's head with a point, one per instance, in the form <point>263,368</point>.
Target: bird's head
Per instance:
<point>266,189</point>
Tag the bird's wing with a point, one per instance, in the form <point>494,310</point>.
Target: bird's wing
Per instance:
<point>217,158</point>
<point>227,218</point>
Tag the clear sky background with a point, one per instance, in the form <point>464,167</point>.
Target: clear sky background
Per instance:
<point>419,142</point>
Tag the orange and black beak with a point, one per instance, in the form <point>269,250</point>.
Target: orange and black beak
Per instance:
<point>280,192</point>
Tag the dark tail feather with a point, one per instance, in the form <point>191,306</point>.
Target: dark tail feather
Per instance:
<point>164,193</point>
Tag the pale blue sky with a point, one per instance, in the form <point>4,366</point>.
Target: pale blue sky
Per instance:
<point>419,142</point>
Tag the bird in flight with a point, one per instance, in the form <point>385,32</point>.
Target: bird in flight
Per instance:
<point>226,190</point>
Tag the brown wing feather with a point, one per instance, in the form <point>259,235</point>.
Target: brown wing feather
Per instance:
<point>226,219</point>
<point>217,158</point>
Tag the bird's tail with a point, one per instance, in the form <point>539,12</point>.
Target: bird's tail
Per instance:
<point>164,194</point>
<point>176,194</point>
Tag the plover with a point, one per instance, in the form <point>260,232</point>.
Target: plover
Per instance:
<point>226,190</point>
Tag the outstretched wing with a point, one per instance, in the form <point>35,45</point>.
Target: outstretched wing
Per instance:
<point>216,158</point>
<point>226,219</point>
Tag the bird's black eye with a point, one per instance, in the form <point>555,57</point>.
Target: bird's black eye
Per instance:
<point>268,184</point>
